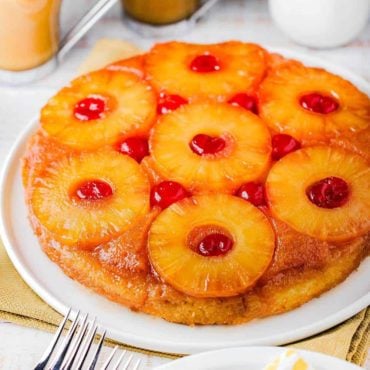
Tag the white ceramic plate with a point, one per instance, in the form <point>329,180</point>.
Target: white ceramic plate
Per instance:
<point>251,358</point>
<point>144,331</point>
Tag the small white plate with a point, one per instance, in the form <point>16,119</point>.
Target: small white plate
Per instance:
<point>144,331</point>
<point>251,358</point>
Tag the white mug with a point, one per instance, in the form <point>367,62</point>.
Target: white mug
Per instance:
<point>320,23</point>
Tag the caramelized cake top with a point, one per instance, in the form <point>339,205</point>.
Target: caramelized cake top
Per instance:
<point>200,177</point>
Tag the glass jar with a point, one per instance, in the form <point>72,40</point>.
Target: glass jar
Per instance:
<point>160,12</point>
<point>30,46</point>
<point>29,33</point>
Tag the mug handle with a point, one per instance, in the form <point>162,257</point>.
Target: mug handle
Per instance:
<point>83,25</point>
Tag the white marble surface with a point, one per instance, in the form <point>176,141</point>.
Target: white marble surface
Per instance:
<point>230,19</point>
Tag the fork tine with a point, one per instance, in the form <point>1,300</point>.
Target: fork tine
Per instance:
<point>56,364</point>
<point>97,352</point>
<point>49,350</point>
<point>128,362</point>
<point>116,366</point>
<point>86,344</point>
<point>71,354</point>
<point>109,359</point>
<point>137,365</point>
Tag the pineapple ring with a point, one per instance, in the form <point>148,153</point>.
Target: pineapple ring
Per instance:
<point>279,106</point>
<point>223,276</point>
<point>130,107</point>
<point>133,64</point>
<point>290,178</point>
<point>242,68</point>
<point>87,223</point>
<point>246,156</point>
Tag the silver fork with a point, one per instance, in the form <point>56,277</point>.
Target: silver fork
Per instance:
<point>77,346</point>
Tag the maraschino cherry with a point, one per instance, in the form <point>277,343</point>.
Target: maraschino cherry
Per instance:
<point>166,193</point>
<point>202,144</point>
<point>330,192</point>
<point>90,108</point>
<point>213,245</point>
<point>245,101</point>
<point>282,145</point>
<point>205,63</point>
<point>253,192</point>
<point>136,147</point>
<point>169,103</point>
<point>319,103</point>
<point>93,190</point>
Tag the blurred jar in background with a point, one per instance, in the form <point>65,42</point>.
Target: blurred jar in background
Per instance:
<point>29,33</point>
<point>159,12</point>
<point>320,23</point>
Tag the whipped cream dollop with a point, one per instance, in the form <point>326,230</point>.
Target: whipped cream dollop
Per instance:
<point>289,360</point>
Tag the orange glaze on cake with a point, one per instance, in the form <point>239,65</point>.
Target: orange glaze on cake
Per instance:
<point>181,214</point>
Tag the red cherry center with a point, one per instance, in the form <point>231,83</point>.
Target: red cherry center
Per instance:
<point>94,190</point>
<point>213,245</point>
<point>254,193</point>
<point>166,193</point>
<point>204,144</point>
<point>331,192</point>
<point>205,63</point>
<point>283,144</point>
<point>318,103</point>
<point>90,108</point>
<point>245,101</point>
<point>136,147</point>
<point>169,103</point>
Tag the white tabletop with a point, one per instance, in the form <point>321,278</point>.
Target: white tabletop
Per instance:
<point>21,347</point>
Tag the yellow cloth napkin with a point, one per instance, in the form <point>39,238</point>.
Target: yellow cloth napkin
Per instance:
<point>19,304</point>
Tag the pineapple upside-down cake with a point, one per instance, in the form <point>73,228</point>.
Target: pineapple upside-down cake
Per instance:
<point>205,184</point>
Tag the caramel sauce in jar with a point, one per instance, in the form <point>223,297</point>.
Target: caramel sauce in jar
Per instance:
<point>159,12</point>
